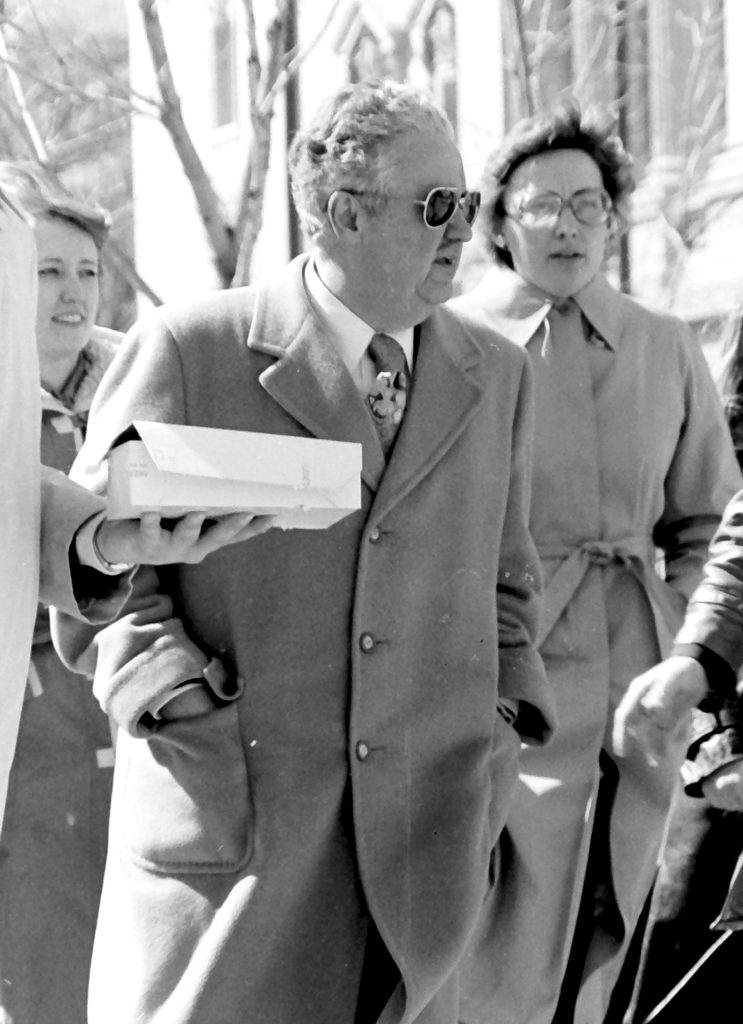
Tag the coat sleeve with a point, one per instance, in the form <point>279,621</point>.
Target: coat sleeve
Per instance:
<point>522,676</point>
<point>145,653</point>
<point>714,617</point>
<point>82,592</point>
<point>703,474</point>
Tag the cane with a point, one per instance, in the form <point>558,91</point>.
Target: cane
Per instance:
<point>657,1010</point>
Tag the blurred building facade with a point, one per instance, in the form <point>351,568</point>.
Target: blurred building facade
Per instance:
<point>667,67</point>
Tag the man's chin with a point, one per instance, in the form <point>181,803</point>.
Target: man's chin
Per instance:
<point>433,293</point>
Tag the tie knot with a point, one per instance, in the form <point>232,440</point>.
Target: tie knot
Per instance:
<point>387,354</point>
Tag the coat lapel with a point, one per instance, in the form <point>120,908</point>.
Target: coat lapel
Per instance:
<point>444,396</point>
<point>309,379</point>
<point>311,383</point>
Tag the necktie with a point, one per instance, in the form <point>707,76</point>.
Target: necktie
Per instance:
<point>387,401</point>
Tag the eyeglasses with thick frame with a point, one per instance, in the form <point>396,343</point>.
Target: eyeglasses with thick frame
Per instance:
<point>440,205</point>
<point>591,206</point>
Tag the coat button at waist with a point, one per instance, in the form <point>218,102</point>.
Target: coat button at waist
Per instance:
<point>366,642</point>
<point>362,751</point>
<point>375,535</point>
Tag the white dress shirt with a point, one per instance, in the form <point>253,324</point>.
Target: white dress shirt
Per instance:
<point>349,333</point>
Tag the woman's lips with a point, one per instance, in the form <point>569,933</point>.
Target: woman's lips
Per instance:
<point>69,319</point>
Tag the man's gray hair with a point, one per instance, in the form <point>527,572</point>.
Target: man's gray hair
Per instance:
<point>344,145</point>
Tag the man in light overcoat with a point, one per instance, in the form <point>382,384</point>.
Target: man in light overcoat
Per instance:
<point>307,831</point>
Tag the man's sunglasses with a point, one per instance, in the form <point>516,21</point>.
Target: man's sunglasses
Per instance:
<point>440,204</point>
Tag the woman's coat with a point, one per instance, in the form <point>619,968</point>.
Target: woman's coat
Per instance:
<point>56,819</point>
<point>359,765</point>
<point>632,461</point>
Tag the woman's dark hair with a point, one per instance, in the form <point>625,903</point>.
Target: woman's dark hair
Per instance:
<point>564,127</point>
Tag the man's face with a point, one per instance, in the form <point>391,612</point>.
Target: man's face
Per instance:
<point>562,255</point>
<point>402,268</point>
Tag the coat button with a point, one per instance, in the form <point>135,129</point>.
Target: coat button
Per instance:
<point>362,751</point>
<point>366,642</point>
<point>375,535</point>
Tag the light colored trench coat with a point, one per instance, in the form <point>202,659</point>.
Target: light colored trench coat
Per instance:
<point>39,512</point>
<point>53,845</point>
<point>631,453</point>
<point>20,419</point>
<point>363,768</point>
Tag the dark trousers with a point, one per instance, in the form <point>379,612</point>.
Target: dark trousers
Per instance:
<point>379,976</point>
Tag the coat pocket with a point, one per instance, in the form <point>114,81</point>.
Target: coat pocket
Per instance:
<point>181,800</point>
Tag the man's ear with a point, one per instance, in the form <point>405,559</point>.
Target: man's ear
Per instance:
<point>343,212</point>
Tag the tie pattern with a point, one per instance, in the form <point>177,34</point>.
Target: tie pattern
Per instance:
<point>387,400</point>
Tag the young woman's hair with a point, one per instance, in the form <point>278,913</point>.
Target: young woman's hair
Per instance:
<point>37,197</point>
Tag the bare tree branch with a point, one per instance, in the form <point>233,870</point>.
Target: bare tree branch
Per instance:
<point>149,107</point>
<point>125,266</point>
<point>294,60</point>
<point>522,65</point>
<point>85,145</point>
<point>209,204</point>
<point>33,135</point>
<point>279,68</point>
<point>596,47</point>
<point>114,252</point>
<point>15,121</point>
<point>254,60</point>
<point>260,78</point>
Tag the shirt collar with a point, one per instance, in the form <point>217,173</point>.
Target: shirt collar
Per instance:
<point>601,304</point>
<point>348,332</point>
<point>522,306</point>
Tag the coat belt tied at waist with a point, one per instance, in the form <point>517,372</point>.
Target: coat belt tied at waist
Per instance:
<point>636,554</point>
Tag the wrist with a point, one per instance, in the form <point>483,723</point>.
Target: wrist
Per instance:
<point>110,565</point>
<point>719,674</point>
<point>690,681</point>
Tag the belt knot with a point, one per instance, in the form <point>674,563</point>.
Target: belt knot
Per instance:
<point>603,552</point>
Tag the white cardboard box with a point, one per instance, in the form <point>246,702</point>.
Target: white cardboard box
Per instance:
<point>306,482</point>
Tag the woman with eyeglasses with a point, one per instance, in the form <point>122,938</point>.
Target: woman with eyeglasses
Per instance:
<point>633,466</point>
